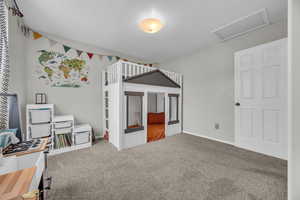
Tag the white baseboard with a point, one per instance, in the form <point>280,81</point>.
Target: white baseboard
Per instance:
<point>207,137</point>
<point>231,143</point>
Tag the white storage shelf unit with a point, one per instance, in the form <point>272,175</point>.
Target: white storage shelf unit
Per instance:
<point>115,85</point>
<point>63,127</point>
<point>64,135</point>
<point>80,135</point>
<point>39,120</point>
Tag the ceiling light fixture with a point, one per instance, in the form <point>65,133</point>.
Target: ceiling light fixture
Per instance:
<point>151,25</point>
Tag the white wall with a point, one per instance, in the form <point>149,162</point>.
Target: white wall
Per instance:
<point>294,107</point>
<point>209,82</point>
<point>17,65</point>
<point>84,103</point>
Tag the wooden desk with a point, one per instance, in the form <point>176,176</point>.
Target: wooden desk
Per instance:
<point>42,147</point>
<point>15,184</point>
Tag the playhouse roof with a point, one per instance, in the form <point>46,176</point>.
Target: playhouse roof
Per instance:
<point>155,77</point>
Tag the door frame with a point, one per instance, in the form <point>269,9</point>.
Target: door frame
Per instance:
<point>237,91</point>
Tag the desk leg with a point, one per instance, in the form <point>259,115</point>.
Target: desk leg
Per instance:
<point>46,181</point>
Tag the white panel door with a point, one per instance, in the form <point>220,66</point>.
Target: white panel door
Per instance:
<point>261,99</point>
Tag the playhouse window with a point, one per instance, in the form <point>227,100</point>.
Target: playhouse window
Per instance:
<point>134,111</point>
<point>173,109</point>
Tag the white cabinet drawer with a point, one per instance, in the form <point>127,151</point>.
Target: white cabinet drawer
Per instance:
<point>41,130</point>
<point>66,124</point>
<point>83,137</point>
<point>39,116</point>
<point>63,131</point>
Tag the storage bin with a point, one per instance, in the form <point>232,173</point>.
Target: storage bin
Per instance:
<point>82,128</point>
<point>63,131</point>
<point>66,124</point>
<point>39,116</point>
<point>82,137</point>
<point>41,130</point>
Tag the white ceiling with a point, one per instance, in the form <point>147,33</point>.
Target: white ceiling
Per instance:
<point>112,24</point>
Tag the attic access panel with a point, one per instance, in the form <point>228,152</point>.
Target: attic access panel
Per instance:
<point>155,77</point>
<point>243,25</point>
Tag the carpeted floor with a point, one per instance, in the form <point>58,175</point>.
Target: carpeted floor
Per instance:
<point>181,167</point>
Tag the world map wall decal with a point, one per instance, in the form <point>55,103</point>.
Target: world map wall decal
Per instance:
<point>60,70</point>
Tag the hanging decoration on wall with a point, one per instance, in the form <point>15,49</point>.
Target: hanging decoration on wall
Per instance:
<point>60,70</point>
<point>79,52</point>
<point>14,11</point>
<point>66,48</point>
<point>110,58</point>
<point>37,35</point>
<point>24,29</point>
<point>14,8</point>
<point>90,55</point>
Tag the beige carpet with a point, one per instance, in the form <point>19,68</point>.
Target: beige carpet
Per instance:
<point>181,167</point>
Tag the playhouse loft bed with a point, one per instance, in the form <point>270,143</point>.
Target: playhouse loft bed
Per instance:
<point>141,104</point>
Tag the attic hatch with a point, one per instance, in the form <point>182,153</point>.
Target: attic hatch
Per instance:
<point>243,25</point>
<point>155,77</point>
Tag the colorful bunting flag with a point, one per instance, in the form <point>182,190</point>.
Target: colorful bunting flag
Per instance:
<point>109,58</point>
<point>52,42</point>
<point>90,55</point>
<point>79,52</point>
<point>66,48</point>
<point>37,35</point>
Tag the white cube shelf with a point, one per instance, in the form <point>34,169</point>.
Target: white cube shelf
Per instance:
<point>65,136</point>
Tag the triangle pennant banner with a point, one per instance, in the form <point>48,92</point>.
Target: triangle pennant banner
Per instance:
<point>109,58</point>
<point>100,57</point>
<point>79,52</point>
<point>52,42</point>
<point>37,35</point>
<point>90,55</point>
<point>66,48</point>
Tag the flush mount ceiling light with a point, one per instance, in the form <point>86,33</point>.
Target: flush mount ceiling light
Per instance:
<point>151,25</point>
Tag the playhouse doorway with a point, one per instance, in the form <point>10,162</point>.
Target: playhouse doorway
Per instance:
<point>156,117</point>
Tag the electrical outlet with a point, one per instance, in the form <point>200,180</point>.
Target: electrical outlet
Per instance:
<point>217,126</point>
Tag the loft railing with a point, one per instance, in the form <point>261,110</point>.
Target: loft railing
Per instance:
<point>122,70</point>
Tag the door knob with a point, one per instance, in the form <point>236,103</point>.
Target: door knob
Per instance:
<point>237,104</point>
